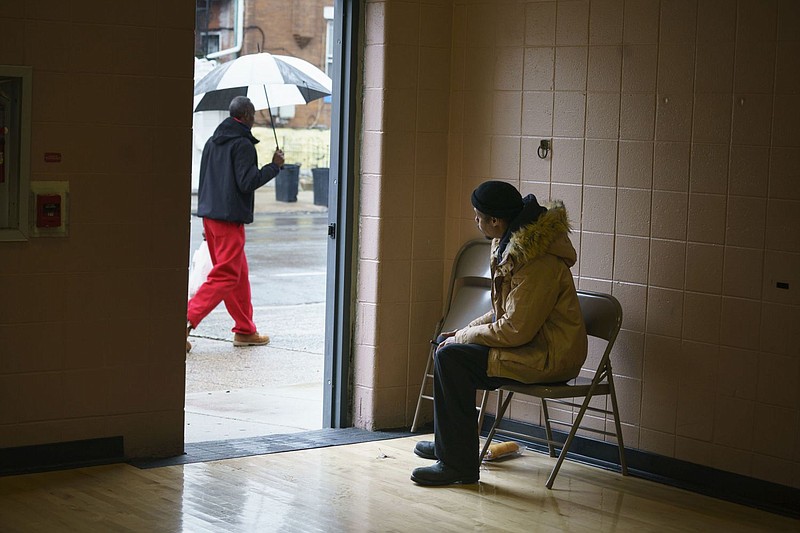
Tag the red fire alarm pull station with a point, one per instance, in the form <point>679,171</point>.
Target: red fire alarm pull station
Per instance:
<point>48,210</point>
<point>49,203</point>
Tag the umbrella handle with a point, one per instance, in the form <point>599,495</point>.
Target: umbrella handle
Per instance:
<point>271,119</point>
<point>273,132</point>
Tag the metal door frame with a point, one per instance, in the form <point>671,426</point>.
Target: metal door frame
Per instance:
<point>339,285</point>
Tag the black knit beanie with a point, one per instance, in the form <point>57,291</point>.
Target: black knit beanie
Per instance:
<point>497,199</point>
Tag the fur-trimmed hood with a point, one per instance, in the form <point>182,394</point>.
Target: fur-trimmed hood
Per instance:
<point>547,234</point>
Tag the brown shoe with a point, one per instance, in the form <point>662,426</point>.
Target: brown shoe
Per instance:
<point>250,340</point>
<point>188,344</point>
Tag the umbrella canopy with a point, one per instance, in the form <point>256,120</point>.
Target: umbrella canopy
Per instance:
<point>270,81</point>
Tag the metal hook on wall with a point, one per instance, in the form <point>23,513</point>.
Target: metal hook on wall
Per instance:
<point>544,149</point>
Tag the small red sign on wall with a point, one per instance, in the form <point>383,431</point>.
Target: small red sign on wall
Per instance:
<point>52,157</point>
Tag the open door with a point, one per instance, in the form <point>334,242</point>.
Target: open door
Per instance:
<point>338,313</point>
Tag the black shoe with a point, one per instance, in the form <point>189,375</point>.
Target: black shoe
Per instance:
<point>441,474</point>
<point>425,449</point>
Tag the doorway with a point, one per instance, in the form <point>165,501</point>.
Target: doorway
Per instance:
<point>299,255</point>
<point>234,393</point>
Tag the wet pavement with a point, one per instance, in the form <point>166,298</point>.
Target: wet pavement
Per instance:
<point>234,393</point>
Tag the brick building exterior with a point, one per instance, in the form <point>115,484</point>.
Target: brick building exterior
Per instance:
<point>296,28</point>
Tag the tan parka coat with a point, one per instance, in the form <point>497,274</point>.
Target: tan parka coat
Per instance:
<point>535,329</point>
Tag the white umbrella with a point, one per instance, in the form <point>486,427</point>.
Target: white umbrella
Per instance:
<point>270,81</point>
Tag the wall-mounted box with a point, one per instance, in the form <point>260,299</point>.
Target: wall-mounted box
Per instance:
<point>50,209</point>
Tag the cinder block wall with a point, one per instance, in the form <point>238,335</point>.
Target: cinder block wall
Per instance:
<point>403,186</point>
<point>90,324</point>
<point>675,148</point>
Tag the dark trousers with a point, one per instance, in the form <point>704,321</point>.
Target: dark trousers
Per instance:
<point>459,371</point>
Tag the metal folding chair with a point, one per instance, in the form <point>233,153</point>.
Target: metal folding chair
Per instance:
<point>468,298</point>
<point>602,314</point>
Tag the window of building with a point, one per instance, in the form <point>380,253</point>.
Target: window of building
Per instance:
<point>15,106</point>
<point>210,43</point>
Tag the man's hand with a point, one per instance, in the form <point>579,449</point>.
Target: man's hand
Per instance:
<point>277,158</point>
<point>448,340</point>
<point>448,337</point>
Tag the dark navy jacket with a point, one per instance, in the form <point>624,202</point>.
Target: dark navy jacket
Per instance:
<point>229,174</point>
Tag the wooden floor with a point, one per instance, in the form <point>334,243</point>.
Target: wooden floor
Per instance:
<point>359,487</point>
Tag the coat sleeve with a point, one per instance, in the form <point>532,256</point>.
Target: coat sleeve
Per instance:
<point>245,167</point>
<point>485,319</point>
<point>533,295</point>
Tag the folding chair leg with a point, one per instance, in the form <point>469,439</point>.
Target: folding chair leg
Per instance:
<point>498,418</point>
<point>623,465</point>
<point>422,394</point>
<point>482,411</point>
<point>547,429</point>
<point>563,455</point>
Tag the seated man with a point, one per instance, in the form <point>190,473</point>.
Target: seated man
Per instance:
<point>534,333</point>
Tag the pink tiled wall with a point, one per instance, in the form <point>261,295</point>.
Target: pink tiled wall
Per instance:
<point>88,344</point>
<point>676,150</point>
<point>403,188</point>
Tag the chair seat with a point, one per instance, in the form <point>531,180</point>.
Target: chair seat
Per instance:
<point>577,387</point>
<point>602,316</point>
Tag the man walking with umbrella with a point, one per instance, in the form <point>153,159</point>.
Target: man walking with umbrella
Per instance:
<point>229,177</point>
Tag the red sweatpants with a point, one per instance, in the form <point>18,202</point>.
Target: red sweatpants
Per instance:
<point>228,280</point>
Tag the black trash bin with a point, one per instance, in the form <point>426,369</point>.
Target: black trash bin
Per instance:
<point>320,185</point>
<point>286,183</point>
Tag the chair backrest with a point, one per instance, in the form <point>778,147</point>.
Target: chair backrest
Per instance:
<point>468,303</point>
<point>473,260</point>
<point>470,296</point>
<point>470,286</point>
<point>602,314</point>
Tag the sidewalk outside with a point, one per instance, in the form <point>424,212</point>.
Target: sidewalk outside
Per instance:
<point>266,202</point>
<point>234,393</point>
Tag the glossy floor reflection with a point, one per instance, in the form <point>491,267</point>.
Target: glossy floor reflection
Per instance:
<point>358,487</point>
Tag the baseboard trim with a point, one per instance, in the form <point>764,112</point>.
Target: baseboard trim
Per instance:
<point>744,490</point>
<point>60,455</point>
